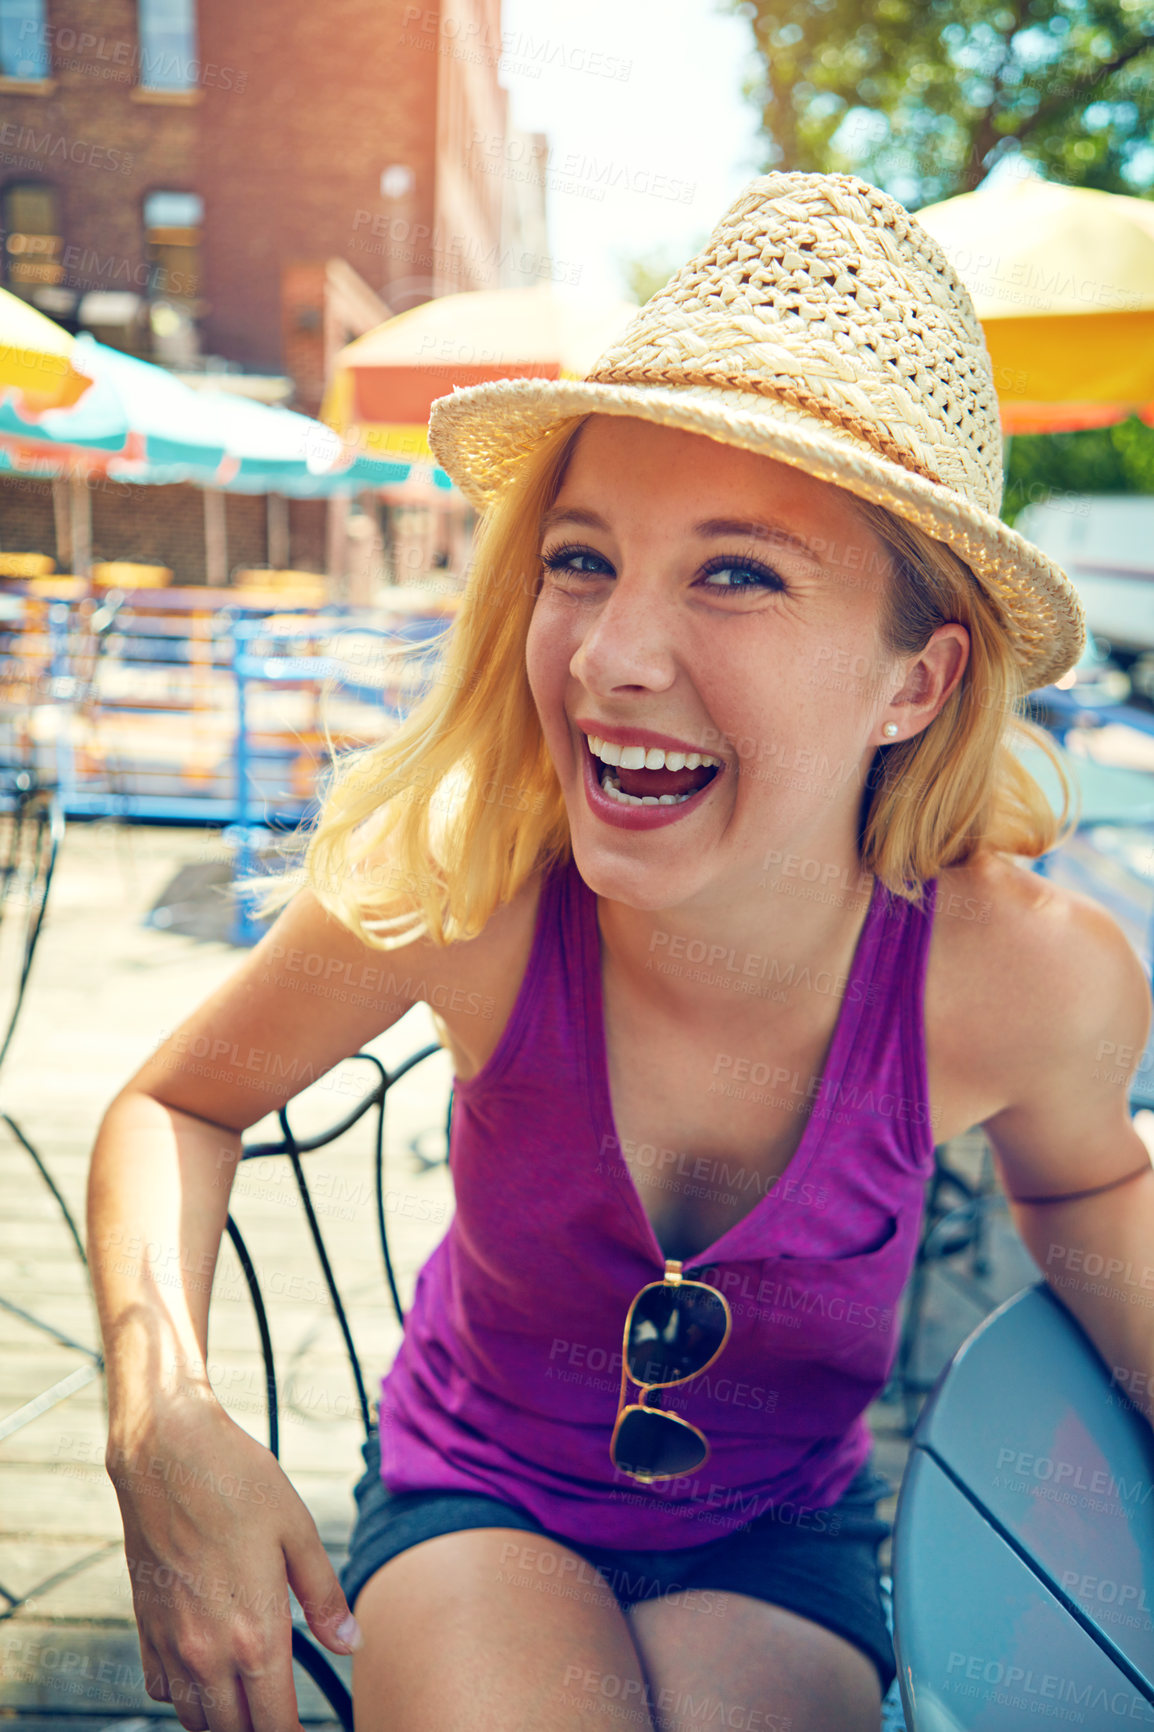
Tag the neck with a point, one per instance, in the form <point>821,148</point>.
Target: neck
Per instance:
<point>784,948</point>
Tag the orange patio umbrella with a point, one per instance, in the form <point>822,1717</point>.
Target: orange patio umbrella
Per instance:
<point>1062,280</point>
<point>384,383</point>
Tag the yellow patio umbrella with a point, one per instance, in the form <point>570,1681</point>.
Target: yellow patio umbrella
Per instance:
<point>36,359</point>
<point>1062,280</point>
<point>384,383</point>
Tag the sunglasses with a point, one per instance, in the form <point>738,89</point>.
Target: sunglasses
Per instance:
<point>674,1330</point>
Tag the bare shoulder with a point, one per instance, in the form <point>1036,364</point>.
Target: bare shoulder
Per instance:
<point>1023,971</point>
<point>474,982</point>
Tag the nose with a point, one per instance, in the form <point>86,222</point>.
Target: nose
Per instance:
<point>629,641</point>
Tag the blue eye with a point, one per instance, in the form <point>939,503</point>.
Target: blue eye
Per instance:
<point>762,576</point>
<point>757,576</point>
<point>561,559</point>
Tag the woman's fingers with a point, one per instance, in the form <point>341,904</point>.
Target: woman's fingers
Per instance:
<point>230,1693</point>
<point>269,1689</point>
<point>314,1582</point>
<point>189,1699</point>
<point>208,1568</point>
<point>205,1689</point>
<point>228,1667</point>
<point>155,1676</point>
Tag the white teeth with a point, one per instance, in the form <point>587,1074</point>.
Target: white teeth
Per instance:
<point>648,757</point>
<point>613,788</point>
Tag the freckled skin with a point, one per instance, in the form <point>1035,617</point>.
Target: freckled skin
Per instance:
<point>765,677</point>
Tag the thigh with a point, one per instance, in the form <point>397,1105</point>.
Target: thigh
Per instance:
<point>494,1630</point>
<point>750,1664</point>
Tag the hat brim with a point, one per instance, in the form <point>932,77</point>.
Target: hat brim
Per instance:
<point>479,434</point>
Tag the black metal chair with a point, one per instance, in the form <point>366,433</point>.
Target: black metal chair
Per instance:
<point>308,1655</point>
<point>31,842</point>
<point>955,1240</point>
<point>32,828</point>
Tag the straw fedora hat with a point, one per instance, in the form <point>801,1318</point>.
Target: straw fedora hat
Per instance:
<point>820,325</point>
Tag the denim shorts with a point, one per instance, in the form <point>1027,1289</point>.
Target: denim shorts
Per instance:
<point>827,1572</point>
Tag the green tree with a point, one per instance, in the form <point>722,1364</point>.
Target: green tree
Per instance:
<point>1117,459</point>
<point>924,97</point>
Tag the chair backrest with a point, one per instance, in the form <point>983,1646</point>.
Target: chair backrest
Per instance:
<point>26,565</point>
<point>274,590</point>
<point>305,1651</point>
<point>126,574</point>
<point>31,831</point>
<point>1023,1550</point>
<point>293,1149</point>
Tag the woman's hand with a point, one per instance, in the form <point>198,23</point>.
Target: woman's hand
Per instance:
<point>215,1535</point>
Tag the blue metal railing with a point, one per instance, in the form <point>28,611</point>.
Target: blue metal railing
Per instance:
<point>261,809</point>
<point>83,643</point>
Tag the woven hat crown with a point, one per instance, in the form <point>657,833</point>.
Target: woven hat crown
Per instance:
<point>822,293</point>
<point>820,325</point>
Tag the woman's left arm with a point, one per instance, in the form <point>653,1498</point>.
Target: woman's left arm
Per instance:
<point>1069,1130</point>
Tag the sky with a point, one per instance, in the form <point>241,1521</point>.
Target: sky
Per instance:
<point>650,139</point>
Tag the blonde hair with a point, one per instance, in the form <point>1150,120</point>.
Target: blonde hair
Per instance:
<point>431,830</point>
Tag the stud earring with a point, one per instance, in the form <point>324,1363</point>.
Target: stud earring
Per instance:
<point>889,729</point>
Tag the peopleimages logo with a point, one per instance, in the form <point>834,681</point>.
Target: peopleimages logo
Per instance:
<point>1124,1595</point>
<point>783,1295</point>
<point>49,146</point>
<point>120,58</point>
<point>1073,1476</point>
<point>1023,1687</point>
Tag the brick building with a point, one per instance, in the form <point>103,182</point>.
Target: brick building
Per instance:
<point>237,189</point>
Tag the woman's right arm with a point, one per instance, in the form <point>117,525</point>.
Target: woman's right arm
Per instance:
<point>213,1529</point>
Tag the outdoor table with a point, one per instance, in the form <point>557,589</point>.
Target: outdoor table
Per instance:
<point>1029,1470</point>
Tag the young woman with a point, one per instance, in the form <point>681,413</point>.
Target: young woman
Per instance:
<point>711,852</point>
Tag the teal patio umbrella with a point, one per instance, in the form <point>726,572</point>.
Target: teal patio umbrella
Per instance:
<point>138,423</point>
<point>134,410</point>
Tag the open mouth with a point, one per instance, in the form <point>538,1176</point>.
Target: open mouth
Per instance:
<point>664,786</point>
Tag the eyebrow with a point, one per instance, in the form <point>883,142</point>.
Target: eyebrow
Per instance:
<point>756,529</point>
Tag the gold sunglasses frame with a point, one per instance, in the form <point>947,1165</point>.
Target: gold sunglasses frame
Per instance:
<point>672,1278</point>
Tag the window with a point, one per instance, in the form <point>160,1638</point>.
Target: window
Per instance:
<point>23,39</point>
<point>173,223</point>
<point>32,239</point>
<point>168,45</point>
<point>172,229</point>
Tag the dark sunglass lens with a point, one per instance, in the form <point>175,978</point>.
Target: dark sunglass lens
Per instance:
<point>674,1333</point>
<point>651,1443</point>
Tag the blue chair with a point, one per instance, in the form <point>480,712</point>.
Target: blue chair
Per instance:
<point>1023,1547</point>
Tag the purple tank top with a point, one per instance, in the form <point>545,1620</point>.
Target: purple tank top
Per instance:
<point>507,1379</point>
